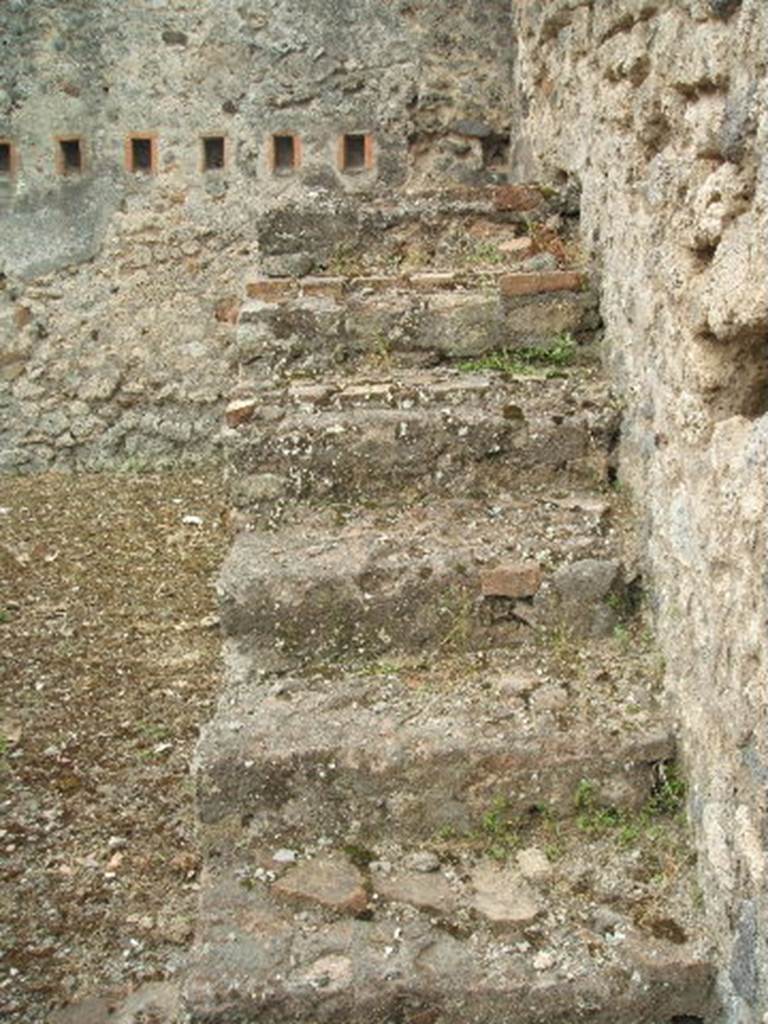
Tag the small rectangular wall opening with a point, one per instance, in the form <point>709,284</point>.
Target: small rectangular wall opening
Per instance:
<point>70,156</point>
<point>356,151</point>
<point>285,153</point>
<point>213,152</point>
<point>141,154</point>
<point>6,159</point>
<point>495,152</point>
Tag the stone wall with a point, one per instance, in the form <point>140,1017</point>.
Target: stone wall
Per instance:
<point>118,290</point>
<point>658,111</point>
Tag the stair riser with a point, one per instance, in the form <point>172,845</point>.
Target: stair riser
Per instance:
<point>283,622</point>
<point>398,990</point>
<point>320,334</point>
<point>380,459</point>
<point>655,1004</point>
<point>292,801</point>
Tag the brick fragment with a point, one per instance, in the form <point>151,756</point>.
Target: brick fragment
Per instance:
<point>323,287</point>
<point>227,311</point>
<point>270,289</point>
<point>239,411</point>
<point>535,284</point>
<point>519,247</point>
<point>511,579</point>
<point>517,198</point>
<point>430,282</point>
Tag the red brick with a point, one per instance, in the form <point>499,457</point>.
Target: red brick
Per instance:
<point>511,579</point>
<point>518,198</point>
<point>271,289</point>
<point>323,287</point>
<point>535,284</point>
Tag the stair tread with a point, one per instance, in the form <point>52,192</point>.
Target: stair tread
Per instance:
<point>415,746</point>
<point>559,393</point>
<point>573,523</point>
<point>322,939</point>
<point>414,433</point>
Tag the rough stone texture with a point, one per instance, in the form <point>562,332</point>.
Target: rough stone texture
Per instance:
<point>397,433</point>
<point>361,760</point>
<point>397,580</point>
<point>427,892</point>
<point>657,112</point>
<point>386,322</point>
<point>255,961</point>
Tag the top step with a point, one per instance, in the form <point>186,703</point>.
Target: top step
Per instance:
<point>449,229</point>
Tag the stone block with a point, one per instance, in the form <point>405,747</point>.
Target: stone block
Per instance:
<point>294,264</point>
<point>332,882</point>
<point>425,891</point>
<point>503,896</point>
<point>376,282</point>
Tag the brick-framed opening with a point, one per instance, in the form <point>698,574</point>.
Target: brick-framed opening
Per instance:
<point>141,153</point>
<point>284,152</point>
<point>213,152</point>
<point>9,158</point>
<point>70,155</point>
<point>356,152</point>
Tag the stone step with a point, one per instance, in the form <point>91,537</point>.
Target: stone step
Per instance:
<point>415,747</point>
<point>354,439</point>
<point>451,228</point>
<point>421,578</point>
<point>590,933</point>
<point>284,332</point>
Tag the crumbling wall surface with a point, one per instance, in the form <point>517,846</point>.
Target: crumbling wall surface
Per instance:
<point>658,109</point>
<point>119,290</point>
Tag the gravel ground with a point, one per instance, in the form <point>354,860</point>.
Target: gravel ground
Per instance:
<point>109,655</point>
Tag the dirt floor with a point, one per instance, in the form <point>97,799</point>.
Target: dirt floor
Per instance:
<point>108,666</point>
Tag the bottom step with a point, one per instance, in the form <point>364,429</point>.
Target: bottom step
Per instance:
<point>310,937</point>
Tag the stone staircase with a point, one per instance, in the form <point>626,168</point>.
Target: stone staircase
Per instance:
<point>439,787</point>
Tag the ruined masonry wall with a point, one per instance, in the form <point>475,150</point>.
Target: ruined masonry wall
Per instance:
<point>660,111</point>
<point>119,291</point>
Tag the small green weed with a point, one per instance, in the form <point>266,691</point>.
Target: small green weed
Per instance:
<point>666,801</point>
<point>669,794</point>
<point>522,361</point>
<point>458,608</point>
<point>485,252</point>
<point>360,856</point>
<point>498,831</point>
<point>447,832</point>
